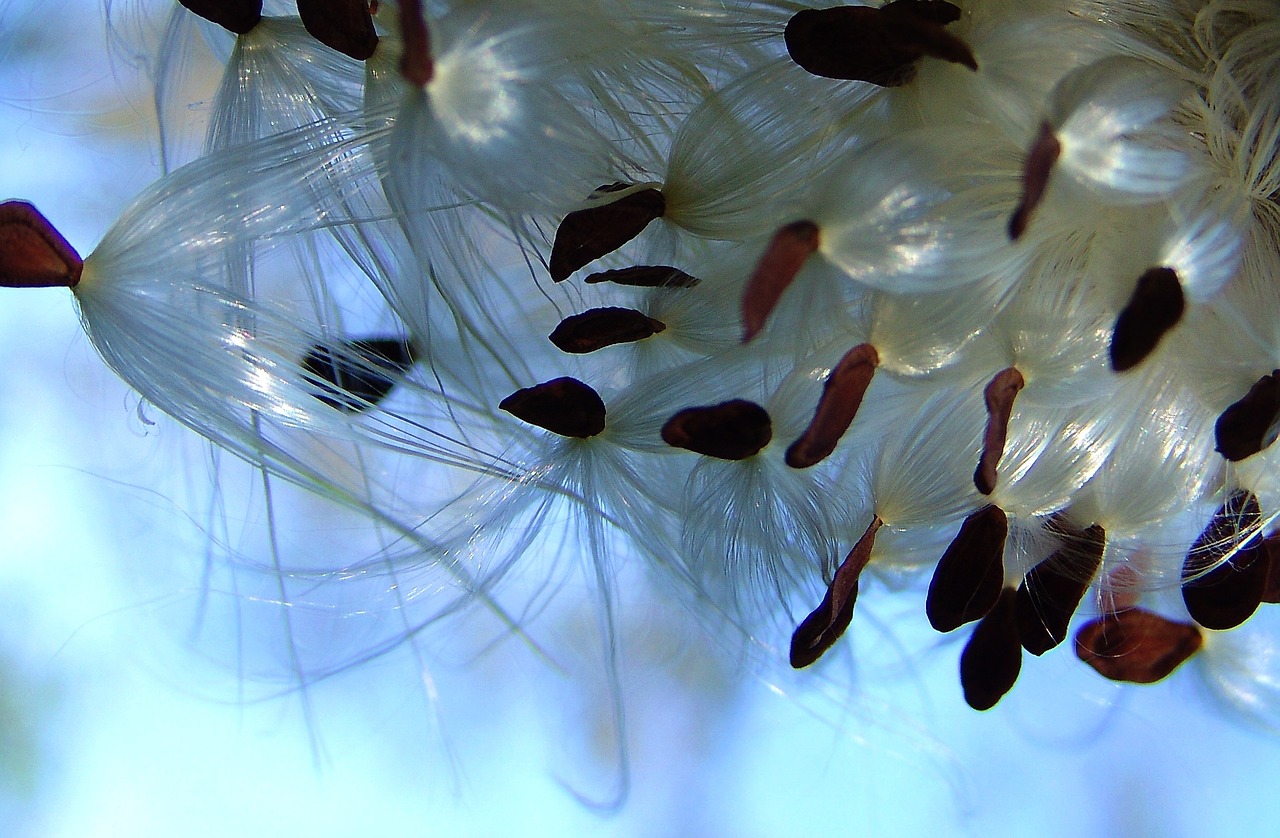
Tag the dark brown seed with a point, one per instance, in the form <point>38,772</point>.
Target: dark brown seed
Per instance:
<point>841,396</point>
<point>992,658</point>
<point>32,253</point>
<point>732,430</point>
<point>1136,646</point>
<point>416,64</point>
<point>1271,546</point>
<point>342,25</point>
<point>1249,425</point>
<point>359,376</point>
<point>1227,595</point>
<point>970,575</point>
<point>1156,307</point>
<point>819,631</point>
<point>646,276</point>
<point>1035,178</point>
<point>999,395</point>
<point>238,16</point>
<point>778,266</point>
<point>563,406</point>
<point>880,46</point>
<point>601,327</point>
<point>1050,594</point>
<point>587,234</point>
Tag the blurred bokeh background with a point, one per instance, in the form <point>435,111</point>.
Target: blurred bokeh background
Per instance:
<point>124,711</point>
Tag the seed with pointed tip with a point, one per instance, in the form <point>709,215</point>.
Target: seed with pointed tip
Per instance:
<point>33,254</point>
<point>416,64</point>
<point>819,631</point>
<point>1051,592</point>
<point>600,327</point>
<point>646,276</point>
<point>992,658</point>
<point>999,395</point>
<point>1227,595</point>
<point>777,268</point>
<point>1249,425</point>
<point>880,46</point>
<point>1036,170</point>
<point>238,16</point>
<point>563,406</point>
<point>587,234</point>
<point>361,375</point>
<point>1136,646</point>
<point>342,25</point>
<point>732,430</point>
<point>841,397</point>
<point>970,575</point>
<point>1156,307</point>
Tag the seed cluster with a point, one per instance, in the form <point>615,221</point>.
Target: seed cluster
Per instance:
<point>780,293</point>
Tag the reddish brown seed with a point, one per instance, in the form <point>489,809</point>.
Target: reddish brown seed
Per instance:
<point>970,575</point>
<point>1227,595</point>
<point>1036,170</point>
<point>32,253</point>
<point>416,64</point>
<point>880,46</point>
<point>563,406</point>
<point>1249,425</point>
<point>778,266</point>
<point>1136,646</point>
<point>1271,592</point>
<point>999,394</point>
<point>646,276</point>
<point>819,631</point>
<point>1156,307</point>
<point>841,396</point>
<point>992,658</point>
<point>601,327</point>
<point>342,25</point>
<point>587,234</point>
<point>238,16</point>
<point>1050,594</point>
<point>732,430</point>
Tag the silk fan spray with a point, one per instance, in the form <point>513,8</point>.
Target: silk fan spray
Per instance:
<point>974,299</point>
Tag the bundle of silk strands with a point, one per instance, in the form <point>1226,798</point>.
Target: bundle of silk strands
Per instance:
<point>778,297</point>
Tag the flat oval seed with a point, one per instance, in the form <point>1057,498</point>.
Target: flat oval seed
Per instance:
<point>587,234</point>
<point>646,276</point>
<point>970,575</point>
<point>1036,170</point>
<point>33,254</point>
<point>1227,595</point>
<point>999,395</point>
<point>992,658</point>
<point>342,25</point>
<point>880,46</point>
<point>563,406</point>
<point>732,430</point>
<point>819,631</point>
<point>778,266</point>
<point>841,397</point>
<point>361,375</point>
<point>1249,425</point>
<point>1052,591</point>
<point>1136,646</point>
<point>1156,307</point>
<point>600,327</point>
<point>238,16</point>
